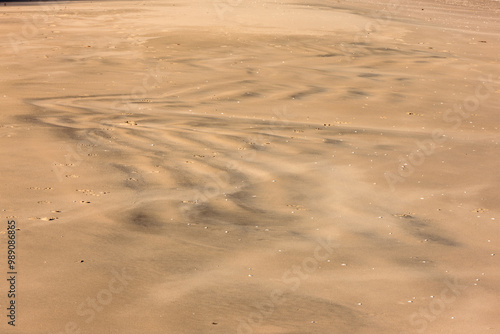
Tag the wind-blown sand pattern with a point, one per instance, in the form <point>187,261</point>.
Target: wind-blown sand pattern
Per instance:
<point>252,167</point>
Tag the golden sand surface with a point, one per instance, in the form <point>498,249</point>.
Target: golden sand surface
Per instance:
<point>243,167</point>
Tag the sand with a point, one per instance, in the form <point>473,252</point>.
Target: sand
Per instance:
<point>251,166</point>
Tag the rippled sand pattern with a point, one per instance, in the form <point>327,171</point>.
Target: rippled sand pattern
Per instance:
<point>271,168</point>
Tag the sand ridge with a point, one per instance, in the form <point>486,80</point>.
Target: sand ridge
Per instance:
<point>252,167</point>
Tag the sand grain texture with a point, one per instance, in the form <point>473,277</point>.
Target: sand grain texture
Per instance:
<point>252,167</point>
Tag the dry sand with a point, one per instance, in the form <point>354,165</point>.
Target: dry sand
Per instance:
<point>251,166</point>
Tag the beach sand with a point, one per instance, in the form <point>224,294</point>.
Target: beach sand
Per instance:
<point>251,166</point>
